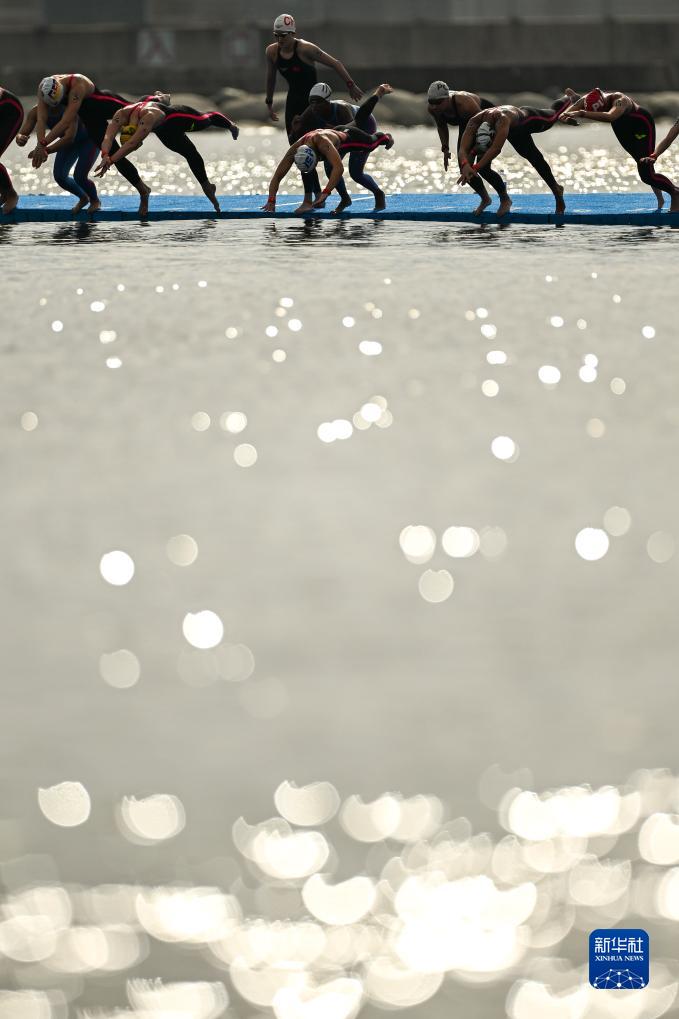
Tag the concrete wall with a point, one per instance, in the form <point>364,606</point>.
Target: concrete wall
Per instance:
<point>202,45</point>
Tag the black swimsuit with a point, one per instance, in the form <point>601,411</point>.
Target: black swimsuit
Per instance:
<point>179,120</point>
<point>301,77</point>
<point>95,112</point>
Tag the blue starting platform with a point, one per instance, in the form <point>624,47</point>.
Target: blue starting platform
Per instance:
<point>629,209</point>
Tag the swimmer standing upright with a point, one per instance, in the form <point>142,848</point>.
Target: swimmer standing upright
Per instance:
<point>294,59</point>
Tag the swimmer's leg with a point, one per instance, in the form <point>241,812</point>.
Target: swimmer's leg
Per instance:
<point>357,161</point>
<point>63,164</point>
<point>341,188</point>
<point>220,120</point>
<point>8,195</point>
<point>10,122</point>
<point>659,182</point>
<point>364,112</point>
<point>523,143</point>
<point>180,144</point>
<point>86,160</point>
<point>496,182</point>
<point>96,130</point>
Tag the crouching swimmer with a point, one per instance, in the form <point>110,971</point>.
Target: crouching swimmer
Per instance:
<point>328,144</point>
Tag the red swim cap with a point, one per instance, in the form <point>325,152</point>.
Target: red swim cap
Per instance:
<point>594,100</point>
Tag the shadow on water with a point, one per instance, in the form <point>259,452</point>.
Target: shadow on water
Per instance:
<point>308,230</point>
<point>146,232</point>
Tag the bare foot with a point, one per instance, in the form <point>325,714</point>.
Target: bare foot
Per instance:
<point>144,192</point>
<point>306,206</point>
<point>504,206</point>
<point>659,197</point>
<point>380,201</point>
<point>674,205</point>
<point>560,204</point>
<point>80,206</point>
<point>343,204</point>
<point>94,206</point>
<point>10,203</point>
<point>483,204</point>
<point>211,192</point>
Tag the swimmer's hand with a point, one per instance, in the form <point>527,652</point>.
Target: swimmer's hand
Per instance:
<point>467,171</point>
<point>383,90</point>
<point>446,158</point>
<point>649,159</point>
<point>104,165</point>
<point>21,140</point>
<point>38,156</point>
<point>270,205</point>
<point>354,91</point>
<point>235,131</point>
<point>272,116</point>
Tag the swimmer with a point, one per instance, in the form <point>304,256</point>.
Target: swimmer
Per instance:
<point>294,59</point>
<point>326,144</point>
<point>448,107</point>
<point>95,107</point>
<point>322,112</point>
<point>11,115</point>
<point>634,127</point>
<point>517,125</point>
<point>170,124</point>
<point>74,148</point>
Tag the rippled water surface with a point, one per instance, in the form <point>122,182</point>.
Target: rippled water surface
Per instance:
<point>329,548</point>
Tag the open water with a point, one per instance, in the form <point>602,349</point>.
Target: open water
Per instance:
<point>327,549</point>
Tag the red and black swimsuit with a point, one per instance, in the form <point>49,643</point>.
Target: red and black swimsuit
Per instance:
<point>11,117</point>
<point>95,112</point>
<point>635,130</point>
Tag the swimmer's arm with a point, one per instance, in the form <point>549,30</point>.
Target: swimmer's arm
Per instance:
<point>281,171</point>
<point>270,86</point>
<point>118,120</point>
<point>146,125</point>
<point>666,142</point>
<point>28,126</point>
<point>315,53</point>
<point>332,156</point>
<point>75,98</point>
<point>41,120</point>
<point>495,148</point>
<point>467,139</point>
<point>66,139</point>
<point>572,109</point>
<point>620,107</point>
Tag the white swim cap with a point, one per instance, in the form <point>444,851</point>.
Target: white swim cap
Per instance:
<point>305,158</point>
<point>438,90</point>
<point>284,24</point>
<point>484,137</point>
<point>51,90</point>
<point>321,90</point>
